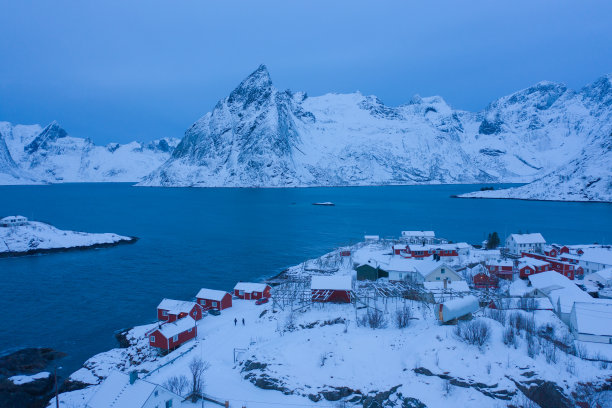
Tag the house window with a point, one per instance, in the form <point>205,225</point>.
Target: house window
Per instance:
<point>442,270</point>
<point>156,392</point>
<point>437,278</point>
<point>214,304</point>
<point>241,292</point>
<point>202,301</point>
<point>189,331</point>
<point>175,338</point>
<point>164,313</point>
<point>152,339</point>
<point>169,404</point>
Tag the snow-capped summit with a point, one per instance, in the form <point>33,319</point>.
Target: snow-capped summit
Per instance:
<point>31,154</point>
<point>260,136</point>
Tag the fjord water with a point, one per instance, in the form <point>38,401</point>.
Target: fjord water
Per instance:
<point>193,238</point>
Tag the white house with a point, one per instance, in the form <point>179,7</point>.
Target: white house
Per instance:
<point>592,322</point>
<point>419,270</point>
<point>121,390</point>
<point>519,243</point>
<point>419,237</point>
<point>591,259</point>
<point>13,221</point>
<point>371,238</point>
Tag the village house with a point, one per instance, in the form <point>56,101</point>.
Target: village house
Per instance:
<point>419,237</point>
<point>334,288</point>
<point>592,322</point>
<point>519,243</point>
<point>370,271</point>
<point>590,260</point>
<point>13,221</point>
<point>169,336</point>
<point>214,299</point>
<point>171,310</point>
<point>558,265</point>
<point>251,291</point>
<point>419,270</point>
<point>502,268</point>
<point>121,390</point>
<point>529,266</point>
<point>484,280</point>
<point>441,251</point>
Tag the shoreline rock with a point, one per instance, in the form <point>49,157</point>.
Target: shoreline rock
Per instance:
<point>13,254</point>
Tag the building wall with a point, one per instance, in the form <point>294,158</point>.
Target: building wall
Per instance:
<point>163,395</point>
<point>338,296</point>
<point>442,272</point>
<point>166,344</point>
<point>225,302</point>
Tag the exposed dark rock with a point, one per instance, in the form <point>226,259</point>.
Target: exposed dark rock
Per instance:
<point>253,365</point>
<point>71,385</point>
<point>28,361</point>
<point>122,339</point>
<point>544,393</point>
<point>488,390</point>
<point>34,394</point>
<point>337,393</point>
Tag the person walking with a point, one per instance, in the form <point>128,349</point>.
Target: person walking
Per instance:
<point>235,321</point>
<point>243,321</point>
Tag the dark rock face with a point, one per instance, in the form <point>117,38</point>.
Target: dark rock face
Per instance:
<point>50,134</point>
<point>544,393</point>
<point>122,338</point>
<point>489,128</point>
<point>28,361</point>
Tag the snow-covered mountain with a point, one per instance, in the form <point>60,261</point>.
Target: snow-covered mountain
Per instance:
<point>587,176</point>
<point>31,154</point>
<point>260,136</point>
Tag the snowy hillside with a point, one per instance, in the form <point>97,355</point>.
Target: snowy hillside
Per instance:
<point>30,154</point>
<point>35,237</point>
<point>260,136</point>
<point>586,177</point>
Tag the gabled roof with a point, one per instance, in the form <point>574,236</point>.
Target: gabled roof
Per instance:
<point>250,287</point>
<point>535,238</point>
<point>527,261</point>
<point>176,306</point>
<point>181,325</point>
<point>211,294</point>
<point>117,392</point>
<point>561,291</point>
<point>333,282</point>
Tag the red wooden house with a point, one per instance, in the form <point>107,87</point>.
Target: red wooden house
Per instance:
<point>214,299</point>
<point>399,248</point>
<point>335,288</point>
<point>345,252</point>
<point>171,310</point>
<point>501,268</point>
<point>484,281</point>
<point>251,291</point>
<point>529,266</point>
<point>558,265</point>
<point>169,336</point>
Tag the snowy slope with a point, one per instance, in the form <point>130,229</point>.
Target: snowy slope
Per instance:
<point>39,237</point>
<point>588,175</point>
<point>260,136</point>
<point>50,155</point>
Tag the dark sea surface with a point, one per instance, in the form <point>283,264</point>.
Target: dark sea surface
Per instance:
<point>192,238</point>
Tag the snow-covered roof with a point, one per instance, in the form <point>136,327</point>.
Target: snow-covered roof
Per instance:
<point>593,318</point>
<point>176,306</point>
<point>499,262</point>
<point>425,267</point>
<point>13,218</point>
<point>444,247</point>
<point>455,286</point>
<point>597,255</point>
<point>371,237</point>
<point>211,294</point>
<point>604,274</point>
<point>333,282</point>
<point>561,291</point>
<point>452,309</point>
<point>535,238</point>
<point>177,327</point>
<point>422,266</point>
<point>117,392</point>
<point>519,287</point>
<point>250,287</point>
<point>526,261</point>
<point>419,234</point>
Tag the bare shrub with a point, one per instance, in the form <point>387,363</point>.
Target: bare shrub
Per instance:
<point>533,346</point>
<point>509,337</point>
<point>197,368</point>
<point>528,304</point>
<point>550,352</point>
<point>376,319</point>
<point>498,315</point>
<point>570,366</point>
<point>489,367</point>
<point>475,332</point>
<point>581,351</point>
<point>177,384</point>
<point>403,317</point>
<point>322,359</point>
<point>521,322</point>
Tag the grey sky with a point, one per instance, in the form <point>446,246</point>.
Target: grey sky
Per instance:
<point>119,70</point>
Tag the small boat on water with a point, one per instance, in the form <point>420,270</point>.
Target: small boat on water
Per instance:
<point>327,203</point>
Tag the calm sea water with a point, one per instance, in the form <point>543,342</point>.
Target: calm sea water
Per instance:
<point>193,238</point>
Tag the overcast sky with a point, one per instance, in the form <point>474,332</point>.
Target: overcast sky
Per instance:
<point>121,70</point>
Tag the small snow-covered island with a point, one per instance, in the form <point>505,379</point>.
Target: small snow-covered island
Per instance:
<point>412,321</point>
<point>20,236</point>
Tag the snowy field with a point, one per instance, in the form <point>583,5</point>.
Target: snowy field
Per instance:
<point>39,237</point>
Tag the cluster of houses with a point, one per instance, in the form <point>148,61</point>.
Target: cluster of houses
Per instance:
<point>177,319</point>
<point>13,221</point>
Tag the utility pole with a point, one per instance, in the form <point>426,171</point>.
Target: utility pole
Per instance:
<point>56,395</point>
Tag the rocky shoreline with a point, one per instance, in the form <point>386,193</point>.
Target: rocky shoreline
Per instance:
<point>38,251</point>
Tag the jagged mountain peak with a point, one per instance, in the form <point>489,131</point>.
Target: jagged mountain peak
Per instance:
<point>256,86</point>
<point>49,134</point>
<point>600,91</point>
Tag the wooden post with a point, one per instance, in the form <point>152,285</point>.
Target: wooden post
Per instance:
<point>226,404</point>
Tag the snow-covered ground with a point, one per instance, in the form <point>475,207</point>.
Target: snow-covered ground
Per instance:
<point>24,379</point>
<point>40,237</point>
<point>323,354</point>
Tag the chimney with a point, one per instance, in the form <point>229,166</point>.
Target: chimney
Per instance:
<point>133,376</point>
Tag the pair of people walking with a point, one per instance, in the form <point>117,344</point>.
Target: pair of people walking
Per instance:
<point>236,321</point>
